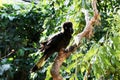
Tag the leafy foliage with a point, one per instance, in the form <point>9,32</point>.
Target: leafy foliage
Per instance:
<point>22,27</point>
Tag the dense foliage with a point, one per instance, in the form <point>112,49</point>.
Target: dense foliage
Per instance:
<point>23,26</point>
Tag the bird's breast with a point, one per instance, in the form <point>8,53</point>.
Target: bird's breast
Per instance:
<point>63,43</point>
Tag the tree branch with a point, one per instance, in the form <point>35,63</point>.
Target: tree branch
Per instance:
<point>87,33</point>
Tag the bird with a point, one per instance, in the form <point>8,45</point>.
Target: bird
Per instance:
<point>55,44</point>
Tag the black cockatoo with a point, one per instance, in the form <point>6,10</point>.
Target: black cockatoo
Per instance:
<point>54,44</point>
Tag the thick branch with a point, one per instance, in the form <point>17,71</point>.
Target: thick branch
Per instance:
<point>87,33</point>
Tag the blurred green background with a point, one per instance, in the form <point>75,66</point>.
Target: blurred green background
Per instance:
<point>24,25</point>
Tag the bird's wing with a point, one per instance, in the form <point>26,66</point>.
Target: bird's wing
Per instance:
<point>52,42</point>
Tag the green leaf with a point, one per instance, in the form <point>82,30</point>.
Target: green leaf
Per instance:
<point>11,18</point>
<point>21,52</point>
<point>93,50</point>
<point>71,66</point>
<point>16,7</point>
<point>75,56</point>
<point>82,69</point>
<point>48,75</point>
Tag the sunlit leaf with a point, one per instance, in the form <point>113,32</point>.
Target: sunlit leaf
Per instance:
<point>48,75</point>
<point>82,69</point>
<point>0,3</point>
<point>93,50</point>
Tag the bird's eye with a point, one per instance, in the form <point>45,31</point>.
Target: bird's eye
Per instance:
<point>65,27</point>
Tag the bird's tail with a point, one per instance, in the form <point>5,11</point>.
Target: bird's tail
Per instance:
<point>39,64</point>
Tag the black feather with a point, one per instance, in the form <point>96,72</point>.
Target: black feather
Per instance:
<point>54,44</point>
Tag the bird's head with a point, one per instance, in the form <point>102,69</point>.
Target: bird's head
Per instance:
<point>68,28</point>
